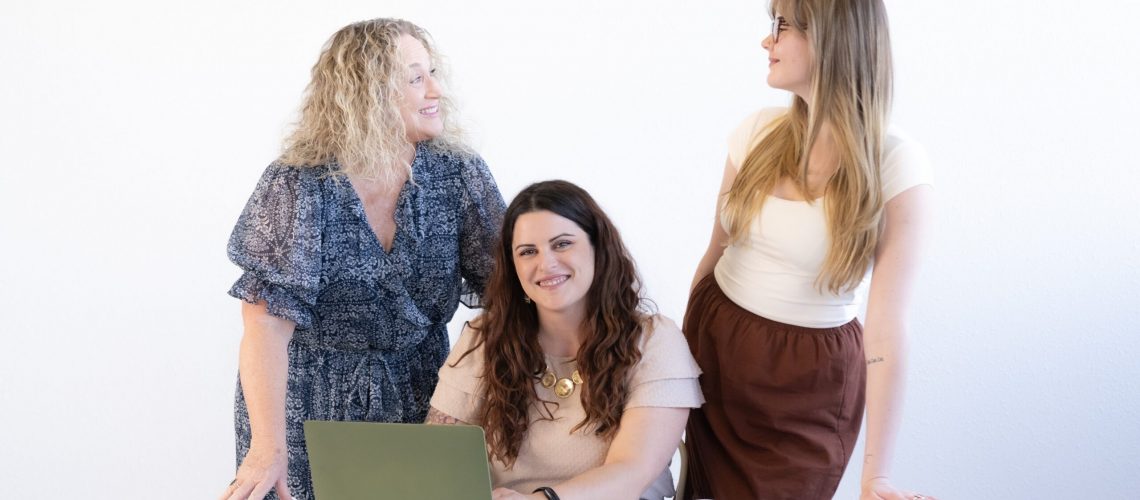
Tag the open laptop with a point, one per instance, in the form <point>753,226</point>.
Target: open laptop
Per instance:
<point>377,461</point>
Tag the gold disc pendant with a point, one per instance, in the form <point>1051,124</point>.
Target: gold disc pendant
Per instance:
<point>564,388</point>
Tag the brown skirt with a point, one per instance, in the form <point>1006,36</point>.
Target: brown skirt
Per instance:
<point>783,406</point>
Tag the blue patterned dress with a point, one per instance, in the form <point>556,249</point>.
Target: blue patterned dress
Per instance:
<point>371,324</point>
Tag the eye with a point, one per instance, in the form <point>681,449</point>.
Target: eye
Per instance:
<point>560,244</point>
<point>526,251</point>
<point>432,72</point>
<point>417,79</point>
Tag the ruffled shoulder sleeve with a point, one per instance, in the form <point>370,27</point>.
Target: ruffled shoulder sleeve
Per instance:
<point>482,210</point>
<point>277,243</point>
<point>749,132</point>
<point>667,374</point>
<point>458,392</point>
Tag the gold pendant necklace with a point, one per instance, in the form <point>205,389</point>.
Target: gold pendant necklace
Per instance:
<point>563,387</point>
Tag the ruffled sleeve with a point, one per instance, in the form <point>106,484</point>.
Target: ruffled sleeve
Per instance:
<point>666,376</point>
<point>458,392</point>
<point>277,244</point>
<point>482,210</point>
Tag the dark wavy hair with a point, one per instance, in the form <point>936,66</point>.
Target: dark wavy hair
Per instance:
<point>616,313</point>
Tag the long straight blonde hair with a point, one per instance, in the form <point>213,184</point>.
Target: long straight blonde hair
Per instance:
<point>351,110</point>
<point>850,92</point>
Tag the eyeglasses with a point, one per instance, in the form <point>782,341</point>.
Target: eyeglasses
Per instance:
<point>778,24</point>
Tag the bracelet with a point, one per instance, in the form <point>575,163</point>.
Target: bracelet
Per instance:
<point>548,491</point>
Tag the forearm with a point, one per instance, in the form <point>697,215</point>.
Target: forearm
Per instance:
<point>706,266</point>
<point>436,417</point>
<point>639,453</point>
<point>612,480</point>
<point>263,367</point>
<point>886,368</point>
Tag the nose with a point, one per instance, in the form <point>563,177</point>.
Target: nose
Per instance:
<point>434,89</point>
<point>767,43</point>
<point>547,261</point>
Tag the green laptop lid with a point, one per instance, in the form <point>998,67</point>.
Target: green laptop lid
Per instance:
<point>377,461</point>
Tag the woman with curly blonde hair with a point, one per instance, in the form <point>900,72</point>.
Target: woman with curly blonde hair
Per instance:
<point>356,247</point>
<point>822,206</point>
<point>581,390</point>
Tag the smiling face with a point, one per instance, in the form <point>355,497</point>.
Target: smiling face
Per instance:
<point>789,59</point>
<point>419,106</point>
<point>554,261</point>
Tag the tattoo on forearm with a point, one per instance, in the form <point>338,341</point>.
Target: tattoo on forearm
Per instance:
<point>435,416</point>
<point>876,359</point>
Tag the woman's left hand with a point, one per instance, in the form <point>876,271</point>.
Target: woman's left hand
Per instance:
<point>881,489</point>
<point>508,494</point>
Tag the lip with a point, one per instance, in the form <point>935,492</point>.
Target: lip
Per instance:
<point>772,61</point>
<point>552,281</point>
<point>430,110</point>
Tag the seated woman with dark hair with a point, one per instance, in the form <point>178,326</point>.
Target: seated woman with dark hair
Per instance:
<point>582,392</point>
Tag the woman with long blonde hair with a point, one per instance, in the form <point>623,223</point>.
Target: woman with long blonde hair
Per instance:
<point>356,248</point>
<point>822,206</point>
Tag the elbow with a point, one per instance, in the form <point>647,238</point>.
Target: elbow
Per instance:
<point>259,322</point>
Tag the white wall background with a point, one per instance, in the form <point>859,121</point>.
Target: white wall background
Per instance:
<point>133,132</point>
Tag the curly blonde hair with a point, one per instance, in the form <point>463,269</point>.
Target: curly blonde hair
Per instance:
<point>351,111</point>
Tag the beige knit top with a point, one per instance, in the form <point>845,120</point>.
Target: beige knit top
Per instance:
<point>666,376</point>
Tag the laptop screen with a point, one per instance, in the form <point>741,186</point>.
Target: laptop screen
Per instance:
<point>379,461</point>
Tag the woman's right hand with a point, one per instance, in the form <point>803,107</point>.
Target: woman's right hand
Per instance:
<point>261,470</point>
<point>881,489</point>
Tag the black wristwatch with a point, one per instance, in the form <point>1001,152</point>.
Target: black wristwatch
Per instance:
<point>548,491</point>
